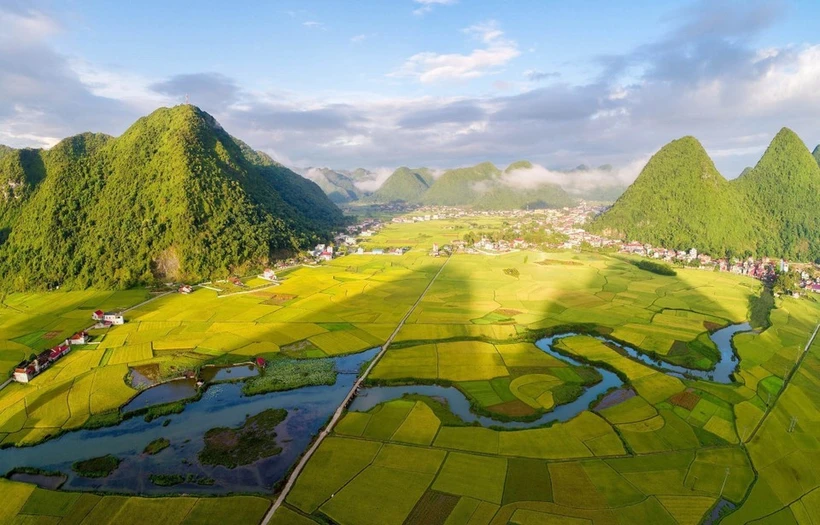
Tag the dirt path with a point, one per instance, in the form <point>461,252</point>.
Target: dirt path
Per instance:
<point>339,411</point>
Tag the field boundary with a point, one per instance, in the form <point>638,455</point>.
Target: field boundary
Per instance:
<point>786,380</point>
<point>340,410</point>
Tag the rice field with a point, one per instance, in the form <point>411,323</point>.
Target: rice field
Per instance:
<point>668,454</point>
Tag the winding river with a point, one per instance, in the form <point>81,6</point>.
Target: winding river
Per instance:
<point>460,405</point>
<point>223,404</point>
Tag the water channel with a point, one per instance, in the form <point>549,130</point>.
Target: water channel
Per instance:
<point>309,408</point>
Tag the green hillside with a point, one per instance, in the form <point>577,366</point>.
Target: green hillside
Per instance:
<point>339,187</point>
<point>174,197</point>
<point>784,191</point>
<point>679,201</point>
<point>404,184</point>
<point>462,186</point>
<point>816,153</point>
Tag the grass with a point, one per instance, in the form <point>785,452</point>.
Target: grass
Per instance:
<point>336,462</point>
<point>254,440</point>
<point>100,467</point>
<point>287,374</point>
<point>156,446</point>
<point>481,477</point>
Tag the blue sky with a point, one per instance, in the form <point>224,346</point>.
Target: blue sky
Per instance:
<point>423,82</point>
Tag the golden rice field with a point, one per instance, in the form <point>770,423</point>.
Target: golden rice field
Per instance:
<point>668,454</point>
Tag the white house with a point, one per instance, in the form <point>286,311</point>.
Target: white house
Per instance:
<point>113,318</point>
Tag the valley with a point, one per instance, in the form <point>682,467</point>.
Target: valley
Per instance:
<point>565,372</point>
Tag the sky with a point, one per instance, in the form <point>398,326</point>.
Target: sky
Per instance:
<point>438,83</point>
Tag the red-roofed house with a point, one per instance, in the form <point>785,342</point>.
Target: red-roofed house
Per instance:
<point>261,363</point>
<point>80,338</point>
<point>58,351</point>
<point>98,315</point>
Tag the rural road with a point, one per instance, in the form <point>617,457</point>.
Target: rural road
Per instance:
<point>339,411</point>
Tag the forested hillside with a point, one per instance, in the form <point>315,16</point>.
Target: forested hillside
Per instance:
<point>404,184</point>
<point>175,197</point>
<point>680,201</point>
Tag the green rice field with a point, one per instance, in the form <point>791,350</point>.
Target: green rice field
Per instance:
<point>669,452</point>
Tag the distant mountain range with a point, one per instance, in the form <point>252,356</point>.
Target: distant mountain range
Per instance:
<point>174,198</point>
<point>482,186</point>
<point>680,201</point>
<point>341,186</point>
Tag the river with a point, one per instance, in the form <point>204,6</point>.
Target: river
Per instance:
<point>309,408</point>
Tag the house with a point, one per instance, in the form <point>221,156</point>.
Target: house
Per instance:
<point>269,274</point>
<point>80,338</point>
<point>260,362</point>
<point>57,352</point>
<point>360,251</point>
<point>113,318</point>
<point>98,315</point>
<point>185,289</point>
<point>813,288</point>
<point>26,371</point>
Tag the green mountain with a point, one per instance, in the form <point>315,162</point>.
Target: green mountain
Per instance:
<point>404,184</point>
<point>462,186</point>
<point>504,194</point>
<point>338,186</point>
<point>174,197</point>
<point>482,186</point>
<point>784,192</point>
<point>816,153</point>
<point>679,201</point>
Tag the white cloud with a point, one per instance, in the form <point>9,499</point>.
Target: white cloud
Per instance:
<point>313,24</point>
<point>427,5</point>
<point>358,38</point>
<point>431,67</point>
<point>574,181</point>
<point>379,176</point>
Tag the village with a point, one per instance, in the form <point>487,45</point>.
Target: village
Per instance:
<point>566,227</point>
<point>27,370</point>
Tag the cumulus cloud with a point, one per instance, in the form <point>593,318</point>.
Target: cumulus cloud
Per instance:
<point>429,67</point>
<point>705,77</point>
<point>41,96</point>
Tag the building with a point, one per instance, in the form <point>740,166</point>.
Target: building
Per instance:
<point>113,318</point>
<point>260,362</point>
<point>26,371</point>
<point>80,338</point>
<point>269,274</point>
<point>185,289</point>
<point>98,315</point>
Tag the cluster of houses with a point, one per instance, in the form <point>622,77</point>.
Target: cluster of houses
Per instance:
<point>27,370</point>
<point>500,246</point>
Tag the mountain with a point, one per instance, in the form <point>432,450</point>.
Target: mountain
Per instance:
<point>174,198</point>
<point>503,194</point>
<point>784,191</point>
<point>816,153</point>
<point>679,200</point>
<point>404,184</point>
<point>482,186</point>
<point>462,186</point>
<point>338,186</point>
